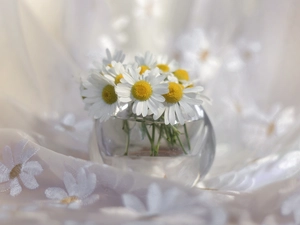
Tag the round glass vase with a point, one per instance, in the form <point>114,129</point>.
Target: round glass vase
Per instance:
<point>183,153</point>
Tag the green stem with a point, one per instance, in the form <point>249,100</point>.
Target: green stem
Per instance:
<point>127,130</point>
<point>148,135</point>
<point>187,137</point>
<point>153,139</point>
<point>158,141</point>
<point>177,136</point>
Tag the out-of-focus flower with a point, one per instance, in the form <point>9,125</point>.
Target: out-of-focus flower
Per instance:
<point>200,54</point>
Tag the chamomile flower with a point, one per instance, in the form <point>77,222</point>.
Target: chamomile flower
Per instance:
<point>146,62</point>
<point>182,75</point>
<point>165,65</point>
<point>78,190</point>
<point>145,91</point>
<point>117,57</point>
<point>116,72</point>
<point>15,168</point>
<point>179,102</point>
<point>100,97</point>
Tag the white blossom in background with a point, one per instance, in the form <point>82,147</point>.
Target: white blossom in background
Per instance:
<point>200,54</point>
<point>16,167</point>
<point>146,9</point>
<point>118,56</point>
<point>101,66</point>
<point>262,131</point>
<point>79,190</point>
<point>242,53</point>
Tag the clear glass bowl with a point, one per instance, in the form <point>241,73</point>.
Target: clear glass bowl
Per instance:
<point>175,162</point>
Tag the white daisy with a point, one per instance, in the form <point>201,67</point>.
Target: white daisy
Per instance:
<point>145,91</point>
<point>200,54</point>
<point>100,98</point>
<point>146,62</point>
<point>15,167</point>
<point>165,65</point>
<point>116,72</point>
<point>78,190</point>
<point>117,57</point>
<point>179,103</point>
<point>264,131</point>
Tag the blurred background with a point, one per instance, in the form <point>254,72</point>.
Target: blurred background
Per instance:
<point>246,54</point>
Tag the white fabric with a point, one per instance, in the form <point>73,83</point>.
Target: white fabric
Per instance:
<point>44,137</point>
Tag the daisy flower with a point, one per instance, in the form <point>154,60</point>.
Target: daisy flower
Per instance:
<point>180,102</point>
<point>262,131</point>
<point>146,62</point>
<point>116,72</point>
<point>100,98</point>
<point>78,190</point>
<point>16,167</point>
<point>200,54</point>
<point>145,91</point>
<point>117,57</point>
<point>165,65</point>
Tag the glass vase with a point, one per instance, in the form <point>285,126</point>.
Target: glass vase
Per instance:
<point>183,153</point>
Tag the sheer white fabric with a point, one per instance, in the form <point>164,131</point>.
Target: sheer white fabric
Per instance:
<point>251,72</point>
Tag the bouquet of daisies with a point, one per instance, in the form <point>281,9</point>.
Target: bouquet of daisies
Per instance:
<point>152,90</point>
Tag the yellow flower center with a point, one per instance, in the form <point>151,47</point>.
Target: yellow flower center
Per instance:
<point>109,65</point>
<point>15,171</point>
<point>144,68</point>
<point>118,78</point>
<point>109,95</point>
<point>69,200</point>
<point>175,93</point>
<point>141,90</point>
<point>163,67</point>
<point>181,74</point>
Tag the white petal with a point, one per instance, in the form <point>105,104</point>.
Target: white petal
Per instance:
<point>161,90</point>
<point>132,202</point>
<point>167,115</point>
<point>87,183</point>
<point>145,109</point>
<point>153,108</point>
<point>70,183</point>
<point>4,173</point>
<point>56,193</point>
<point>15,187</point>
<point>154,198</point>
<point>158,98</point>
<point>179,114</point>
<point>28,180</point>
<point>193,89</point>
<point>172,118</point>
<point>160,111</point>
<point>32,167</point>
